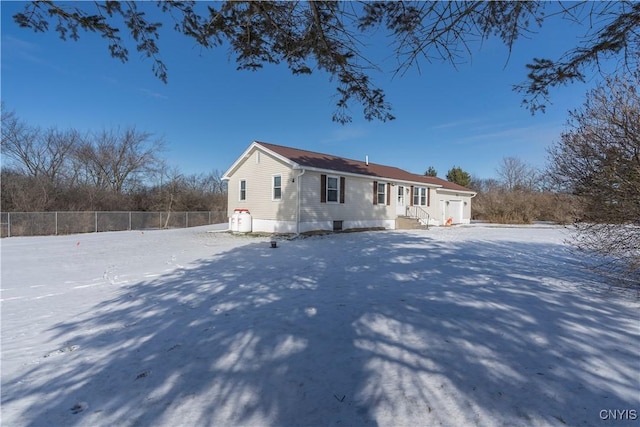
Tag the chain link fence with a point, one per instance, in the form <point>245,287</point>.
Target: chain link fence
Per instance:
<point>54,223</point>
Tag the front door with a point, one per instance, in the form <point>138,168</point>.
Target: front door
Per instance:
<point>400,204</point>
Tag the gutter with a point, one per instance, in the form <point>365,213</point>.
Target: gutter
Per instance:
<point>298,201</point>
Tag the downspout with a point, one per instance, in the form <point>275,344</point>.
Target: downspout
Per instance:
<point>299,198</point>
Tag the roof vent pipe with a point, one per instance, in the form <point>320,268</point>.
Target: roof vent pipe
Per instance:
<point>366,160</point>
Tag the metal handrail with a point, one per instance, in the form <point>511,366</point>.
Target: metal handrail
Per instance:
<point>420,214</point>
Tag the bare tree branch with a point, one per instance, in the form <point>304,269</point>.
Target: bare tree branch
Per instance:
<point>598,159</point>
<point>331,36</point>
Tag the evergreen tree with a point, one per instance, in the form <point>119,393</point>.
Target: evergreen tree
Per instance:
<point>458,176</point>
<point>431,171</point>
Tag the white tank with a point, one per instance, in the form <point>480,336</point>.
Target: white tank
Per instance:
<point>244,221</point>
<point>233,221</point>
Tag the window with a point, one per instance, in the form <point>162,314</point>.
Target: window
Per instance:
<point>243,189</point>
<point>382,193</point>
<point>420,196</point>
<point>332,189</point>
<point>277,187</point>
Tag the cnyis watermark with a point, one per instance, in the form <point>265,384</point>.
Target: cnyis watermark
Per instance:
<point>618,414</point>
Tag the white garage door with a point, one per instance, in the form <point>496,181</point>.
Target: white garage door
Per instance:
<point>455,211</point>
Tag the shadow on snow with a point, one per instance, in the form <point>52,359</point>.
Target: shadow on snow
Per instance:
<point>402,329</point>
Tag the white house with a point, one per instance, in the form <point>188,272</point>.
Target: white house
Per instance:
<point>287,190</point>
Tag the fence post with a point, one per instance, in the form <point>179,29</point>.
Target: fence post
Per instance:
<point>96,215</point>
<point>8,224</point>
<point>56,221</point>
<point>209,217</point>
<point>129,220</point>
<point>187,220</point>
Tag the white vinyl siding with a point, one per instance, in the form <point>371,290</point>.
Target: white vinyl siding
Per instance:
<point>357,204</point>
<point>259,188</point>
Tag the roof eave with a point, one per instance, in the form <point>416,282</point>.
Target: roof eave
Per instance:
<point>361,175</point>
<point>256,145</point>
<point>453,190</point>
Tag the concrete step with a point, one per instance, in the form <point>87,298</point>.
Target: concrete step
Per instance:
<point>406,223</point>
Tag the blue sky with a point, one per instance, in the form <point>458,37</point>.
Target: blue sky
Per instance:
<point>209,112</point>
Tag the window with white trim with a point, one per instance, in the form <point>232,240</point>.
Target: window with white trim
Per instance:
<point>419,196</point>
<point>382,193</point>
<point>277,187</point>
<point>243,189</point>
<point>333,189</point>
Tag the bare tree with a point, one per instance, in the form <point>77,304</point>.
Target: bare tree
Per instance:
<point>520,195</point>
<point>118,159</point>
<point>39,162</point>
<point>47,170</point>
<point>598,160</point>
<point>211,190</point>
<point>516,175</point>
<point>175,191</point>
<point>37,152</point>
<point>331,36</point>
<point>22,193</point>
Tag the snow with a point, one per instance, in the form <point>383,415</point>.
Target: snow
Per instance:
<point>474,325</point>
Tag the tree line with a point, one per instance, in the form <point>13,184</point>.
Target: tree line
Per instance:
<point>594,172</point>
<point>592,180</point>
<point>519,194</point>
<point>109,170</point>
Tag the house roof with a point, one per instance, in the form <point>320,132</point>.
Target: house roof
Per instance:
<point>311,159</point>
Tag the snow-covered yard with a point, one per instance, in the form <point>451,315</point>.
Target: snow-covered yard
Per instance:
<point>474,325</point>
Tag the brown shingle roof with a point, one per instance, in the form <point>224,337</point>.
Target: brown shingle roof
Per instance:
<point>329,162</point>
